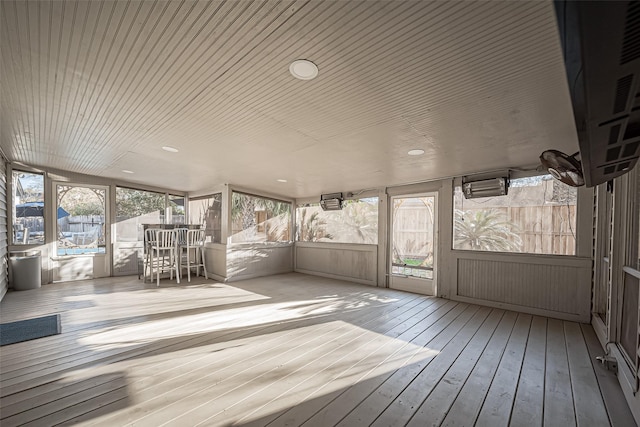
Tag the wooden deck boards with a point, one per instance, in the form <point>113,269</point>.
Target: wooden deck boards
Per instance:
<point>289,350</point>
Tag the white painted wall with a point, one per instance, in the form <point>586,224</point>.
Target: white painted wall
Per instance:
<point>355,263</point>
<point>249,261</point>
<point>126,257</point>
<point>545,285</point>
<point>215,258</point>
<point>80,267</point>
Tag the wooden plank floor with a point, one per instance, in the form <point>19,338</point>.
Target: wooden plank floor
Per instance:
<point>289,350</point>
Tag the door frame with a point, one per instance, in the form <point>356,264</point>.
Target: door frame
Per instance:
<point>91,265</point>
<point>408,283</point>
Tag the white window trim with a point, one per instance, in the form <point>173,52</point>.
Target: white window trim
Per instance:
<point>582,229</point>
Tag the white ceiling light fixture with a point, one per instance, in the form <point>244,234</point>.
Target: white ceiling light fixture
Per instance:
<point>303,69</point>
<point>170,149</point>
<point>127,171</point>
<point>416,152</point>
<point>281,180</point>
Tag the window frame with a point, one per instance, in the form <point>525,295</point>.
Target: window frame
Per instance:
<point>168,209</point>
<point>584,196</point>
<point>105,225</point>
<point>314,203</point>
<point>12,204</point>
<point>229,210</point>
<point>139,237</point>
<point>204,197</point>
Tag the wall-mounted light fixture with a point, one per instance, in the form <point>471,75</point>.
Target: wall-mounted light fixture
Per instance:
<point>485,187</point>
<point>331,202</point>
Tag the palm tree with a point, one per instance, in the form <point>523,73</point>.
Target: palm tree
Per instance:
<point>358,220</point>
<point>311,227</point>
<point>243,208</point>
<point>485,230</point>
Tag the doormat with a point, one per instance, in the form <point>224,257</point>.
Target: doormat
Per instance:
<point>30,329</point>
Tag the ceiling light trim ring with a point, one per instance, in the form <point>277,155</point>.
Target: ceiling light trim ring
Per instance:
<point>303,69</point>
<point>416,152</point>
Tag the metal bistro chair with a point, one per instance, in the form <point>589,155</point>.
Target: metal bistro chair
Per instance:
<point>149,241</point>
<point>181,241</point>
<point>194,243</point>
<point>164,254</point>
<point>182,236</point>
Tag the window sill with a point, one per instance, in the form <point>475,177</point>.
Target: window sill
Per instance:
<point>259,245</point>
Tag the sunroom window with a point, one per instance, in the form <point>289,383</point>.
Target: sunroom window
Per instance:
<point>28,208</point>
<point>259,219</point>
<point>135,208</point>
<point>357,222</point>
<point>537,216</point>
<point>207,212</point>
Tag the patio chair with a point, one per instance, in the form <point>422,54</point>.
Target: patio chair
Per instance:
<point>181,236</point>
<point>164,254</point>
<point>194,243</point>
<point>149,241</point>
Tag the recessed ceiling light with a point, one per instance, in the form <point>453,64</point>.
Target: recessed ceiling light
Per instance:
<point>281,180</point>
<point>170,149</point>
<point>416,152</point>
<point>126,171</point>
<point>303,69</point>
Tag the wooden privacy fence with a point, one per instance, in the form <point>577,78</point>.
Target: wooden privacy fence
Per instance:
<point>543,229</point>
<point>413,232</point>
<point>80,223</point>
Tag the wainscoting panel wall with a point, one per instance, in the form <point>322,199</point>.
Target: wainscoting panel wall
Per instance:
<point>126,258</point>
<point>531,284</point>
<point>215,257</point>
<point>79,268</point>
<point>255,261</point>
<point>355,263</point>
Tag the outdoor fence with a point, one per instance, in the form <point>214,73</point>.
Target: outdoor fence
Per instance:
<point>541,229</point>
<point>544,229</point>
<point>80,223</point>
<point>35,224</point>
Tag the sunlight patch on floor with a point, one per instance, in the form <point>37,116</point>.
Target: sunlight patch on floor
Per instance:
<point>177,326</point>
<point>232,379</point>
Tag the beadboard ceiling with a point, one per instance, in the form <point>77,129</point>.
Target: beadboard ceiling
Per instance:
<point>95,87</point>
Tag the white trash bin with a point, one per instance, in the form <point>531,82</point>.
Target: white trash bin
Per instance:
<point>25,269</point>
